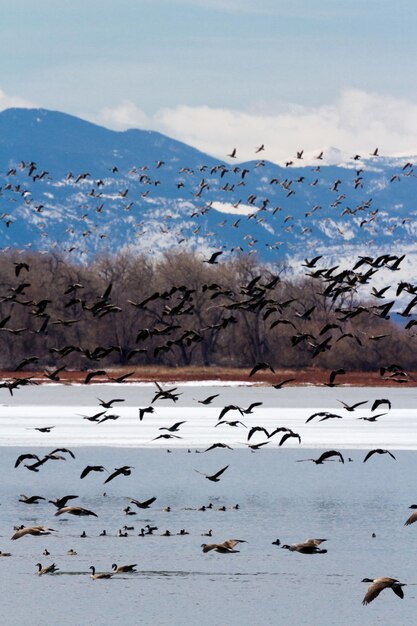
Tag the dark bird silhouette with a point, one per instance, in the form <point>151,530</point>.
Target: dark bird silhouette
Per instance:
<point>208,400</point>
<point>229,407</point>
<point>92,468</point>
<point>214,477</point>
<point>30,499</point>
<point>218,445</point>
<point>167,436</point>
<point>94,374</point>
<point>325,415</point>
<point>378,451</point>
<point>261,367</point>
<point>233,423</point>
<point>61,502</point>
<point>213,259</point>
<point>352,407</point>
<point>23,457</point>
<point>148,409</point>
<point>379,584</point>
<point>378,403</point>
<point>288,436</point>
<point>174,428</point>
<point>143,505</point>
<point>282,383</point>
<point>326,455</point>
<point>372,418</point>
<point>109,403</point>
<point>126,470</point>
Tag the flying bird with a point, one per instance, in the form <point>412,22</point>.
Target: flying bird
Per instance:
<point>92,468</point>
<point>214,477</point>
<point>378,451</point>
<point>143,505</point>
<point>79,511</point>
<point>379,584</point>
<point>126,470</point>
<point>326,455</point>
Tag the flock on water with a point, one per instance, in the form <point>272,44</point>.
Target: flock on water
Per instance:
<point>257,295</point>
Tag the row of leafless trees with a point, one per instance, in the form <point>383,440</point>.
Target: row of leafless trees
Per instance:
<point>180,311</point>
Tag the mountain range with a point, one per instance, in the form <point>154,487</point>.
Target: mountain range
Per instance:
<point>79,188</point>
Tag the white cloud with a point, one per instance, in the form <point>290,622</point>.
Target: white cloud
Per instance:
<point>357,122</point>
<point>124,115</point>
<point>7,102</point>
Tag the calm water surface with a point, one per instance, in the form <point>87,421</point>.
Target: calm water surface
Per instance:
<point>176,583</point>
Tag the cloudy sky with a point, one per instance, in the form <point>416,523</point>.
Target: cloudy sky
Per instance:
<point>219,74</point>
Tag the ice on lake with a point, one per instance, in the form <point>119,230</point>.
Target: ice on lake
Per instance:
<point>278,497</point>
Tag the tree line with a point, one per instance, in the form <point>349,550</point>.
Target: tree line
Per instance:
<point>177,310</point>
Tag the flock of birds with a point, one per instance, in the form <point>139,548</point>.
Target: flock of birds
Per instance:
<point>254,296</point>
<point>65,507</point>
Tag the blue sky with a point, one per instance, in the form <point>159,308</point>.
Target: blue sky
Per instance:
<point>221,72</point>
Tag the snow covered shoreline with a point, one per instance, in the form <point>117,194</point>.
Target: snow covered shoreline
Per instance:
<point>64,408</point>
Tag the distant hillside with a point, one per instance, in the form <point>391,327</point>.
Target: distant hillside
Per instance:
<point>90,189</point>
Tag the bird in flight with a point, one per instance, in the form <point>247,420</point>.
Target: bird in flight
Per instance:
<point>213,477</point>
<point>379,584</point>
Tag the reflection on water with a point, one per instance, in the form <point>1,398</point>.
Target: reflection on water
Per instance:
<point>177,583</point>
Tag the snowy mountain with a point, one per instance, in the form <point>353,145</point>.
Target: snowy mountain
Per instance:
<point>74,186</point>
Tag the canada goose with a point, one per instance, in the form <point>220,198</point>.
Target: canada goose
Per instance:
<point>99,575</point>
<point>30,499</point>
<point>224,548</point>
<point>324,456</point>
<point>413,516</point>
<point>103,534</point>
<point>209,533</point>
<point>46,552</point>
<point>310,546</point>
<point>276,542</point>
<point>49,569</point>
<point>36,531</point>
<point>122,569</point>
<point>214,477</point>
<point>91,468</point>
<point>378,451</point>
<point>60,502</point>
<point>167,533</point>
<point>145,504</point>
<point>378,584</point>
<point>5,553</point>
<point>72,552</point>
<point>75,510</point>
<point>126,470</point>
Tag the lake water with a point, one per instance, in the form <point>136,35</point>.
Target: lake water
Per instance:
<point>278,497</point>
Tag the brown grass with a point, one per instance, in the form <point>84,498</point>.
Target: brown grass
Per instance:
<point>309,376</point>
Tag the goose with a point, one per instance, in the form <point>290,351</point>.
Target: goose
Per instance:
<point>99,575</point>
<point>413,516</point>
<point>75,510</point>
<point>36,531</point>
<point>310,546</point>
<point>122,569</point>
<point>378,584</point>
<point>49,569</point>
<point>72,552</point>
<point>224,548</point>
<point>5,553</point>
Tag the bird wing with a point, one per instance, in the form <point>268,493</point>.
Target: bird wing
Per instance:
<point>220,472</point>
